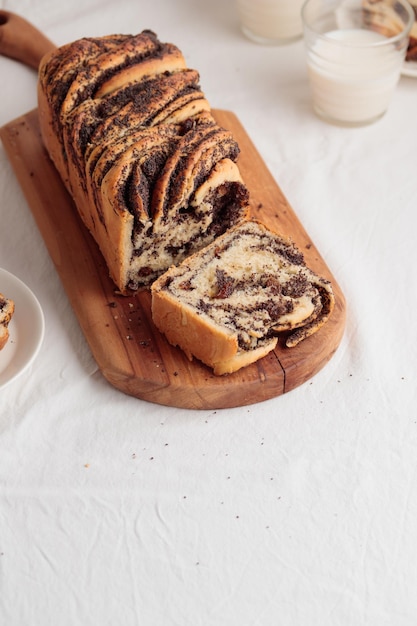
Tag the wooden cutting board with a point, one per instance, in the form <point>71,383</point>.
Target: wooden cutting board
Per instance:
<point>130,352</point>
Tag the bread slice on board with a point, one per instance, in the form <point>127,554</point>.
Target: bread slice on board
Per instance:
<point>227,304</point>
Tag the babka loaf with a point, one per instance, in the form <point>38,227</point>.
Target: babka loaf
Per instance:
<point>6,313</point>
<point>226,304</point>
<point>152,174</point>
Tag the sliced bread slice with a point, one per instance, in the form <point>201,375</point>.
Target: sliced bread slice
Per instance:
<point>226,304</point>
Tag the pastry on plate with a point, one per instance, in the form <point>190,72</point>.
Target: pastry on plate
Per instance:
<point>6,313</point>
<point>412,44</point>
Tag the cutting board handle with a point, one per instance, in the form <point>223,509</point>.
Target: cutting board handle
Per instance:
<point>20,40</point>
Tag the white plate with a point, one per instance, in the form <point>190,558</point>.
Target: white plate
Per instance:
<point>410,69</point>
<point>26,329</point>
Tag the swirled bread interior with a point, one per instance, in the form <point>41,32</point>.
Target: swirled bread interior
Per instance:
<point>227,303</point>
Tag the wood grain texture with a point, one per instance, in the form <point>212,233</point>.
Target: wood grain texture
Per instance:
<point>130,352</point>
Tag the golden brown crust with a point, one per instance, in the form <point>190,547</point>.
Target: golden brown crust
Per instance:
<point>200,339</point>
<point>196,336</point>
<point>243,359</point>
<point>171,61</point>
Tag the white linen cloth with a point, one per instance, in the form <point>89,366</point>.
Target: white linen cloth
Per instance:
<point>298,511</point>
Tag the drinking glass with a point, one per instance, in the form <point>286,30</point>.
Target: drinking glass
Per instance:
<point>355,52</point>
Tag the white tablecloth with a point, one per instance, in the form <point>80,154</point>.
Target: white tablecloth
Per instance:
<point>298,511</point>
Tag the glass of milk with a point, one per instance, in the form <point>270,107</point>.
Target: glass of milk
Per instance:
<point>355,52</point>
<point>271,21</point>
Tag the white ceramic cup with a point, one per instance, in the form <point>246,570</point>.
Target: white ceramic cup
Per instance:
<point>271,21</point>
<point>355,52</point>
